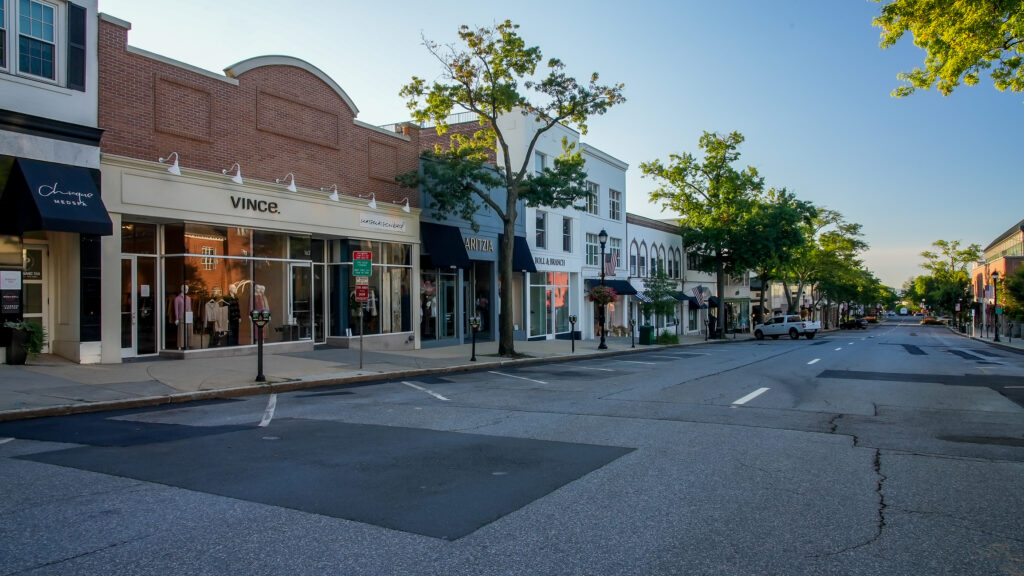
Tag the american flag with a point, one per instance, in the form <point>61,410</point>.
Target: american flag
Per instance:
<point>698,293</point>
<point>611,262</point>
<point>989,292</point>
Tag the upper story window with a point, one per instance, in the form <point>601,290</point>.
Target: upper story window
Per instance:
<point>539,162</point>
<point>632,259</point>
<point>614,204</point>
<point>642,270</point>
<point>615,247</point>
<point>566,234</point>
<point>44,40</point>
<point>593,198</point>
<point>542,224</point>
<point>592,249</point>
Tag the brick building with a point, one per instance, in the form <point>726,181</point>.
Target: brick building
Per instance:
<point>247,191</point>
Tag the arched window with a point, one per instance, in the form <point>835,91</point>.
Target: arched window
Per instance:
<point>678,263</point>
<point>642,270</point>
<point>661,260</point>
<point>633,253</point>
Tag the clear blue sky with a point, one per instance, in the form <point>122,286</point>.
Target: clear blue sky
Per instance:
<point>804,81</point>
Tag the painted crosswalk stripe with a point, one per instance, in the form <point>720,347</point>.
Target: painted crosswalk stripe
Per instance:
<point>519,377</point>
<point>751,396</point>
<point>422,389</point>
<point>268,414</point>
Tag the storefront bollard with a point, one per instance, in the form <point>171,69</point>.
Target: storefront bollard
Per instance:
<point>260,318</point>
<point>474,325</point>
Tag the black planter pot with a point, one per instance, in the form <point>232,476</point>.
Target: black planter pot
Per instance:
<point>17,351</point>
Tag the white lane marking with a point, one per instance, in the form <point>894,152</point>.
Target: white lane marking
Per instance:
<point>601,369</point>
<point>850,344</point>
<point>1013,386</point>
<point>815,361</point>
<point>5,440</point>
<point>268,414</point>
<point>838,349</point>
<point>751,396</point>
<point>638,362</point>
<point>422,389</point>
<point>520,377</point>
<point>662,356</point>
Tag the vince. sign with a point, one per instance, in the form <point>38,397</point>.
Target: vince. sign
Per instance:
<point>243,203</point>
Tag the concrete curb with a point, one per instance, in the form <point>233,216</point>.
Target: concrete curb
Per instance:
<point>317,382</point>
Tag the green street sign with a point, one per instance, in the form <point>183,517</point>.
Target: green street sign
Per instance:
<point>362,264</point>
<point>999,311</point>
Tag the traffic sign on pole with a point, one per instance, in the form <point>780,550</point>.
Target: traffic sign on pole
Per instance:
<point>362,263</point>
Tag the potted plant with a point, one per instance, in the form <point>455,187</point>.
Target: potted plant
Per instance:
<point>27,339</point>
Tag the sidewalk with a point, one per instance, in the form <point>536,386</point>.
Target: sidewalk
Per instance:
<point>49,385</point>
<point>1005,341</point>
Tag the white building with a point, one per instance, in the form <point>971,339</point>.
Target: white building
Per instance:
<point>51,212</point>
<point>564,241</point>
<point>655,245</point>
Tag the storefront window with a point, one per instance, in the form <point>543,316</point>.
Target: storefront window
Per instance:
<point>549,303</point>
<point>389,307</point>
<point>222,274</point>
<point>138,238</point>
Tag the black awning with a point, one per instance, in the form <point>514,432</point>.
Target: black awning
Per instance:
<point>444,245</point>
<point>621,287</point>
<point>47,196</point>
<point>693,302</point>
<point>522,258</point>
<point>714,302</point>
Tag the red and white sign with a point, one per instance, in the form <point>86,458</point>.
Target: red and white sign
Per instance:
<point>362,255</point>
<point>362,293</point>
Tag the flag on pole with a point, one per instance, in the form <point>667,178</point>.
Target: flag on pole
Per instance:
<point>989,292</point>
<point>698,293</point>
<point>611,262</point>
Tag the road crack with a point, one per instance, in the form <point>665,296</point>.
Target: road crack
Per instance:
<point>881,510</point>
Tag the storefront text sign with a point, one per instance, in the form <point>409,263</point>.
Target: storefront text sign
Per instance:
<point>243,203</point>
<point>545,261</point>
<point>10,279</point>
<point>379,222</point>
<point>475,244</point>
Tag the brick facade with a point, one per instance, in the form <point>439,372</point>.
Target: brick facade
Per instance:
<point>274,120</point>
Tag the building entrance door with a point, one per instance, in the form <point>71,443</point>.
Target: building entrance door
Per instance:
<point>138,306</point>
<point>35,298</point>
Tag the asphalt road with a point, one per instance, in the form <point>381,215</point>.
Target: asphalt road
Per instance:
<point>894,450</point>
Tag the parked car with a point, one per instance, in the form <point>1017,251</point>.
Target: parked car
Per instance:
<point>931,321</point>
<point>791,325</point>
<point>854,324</point>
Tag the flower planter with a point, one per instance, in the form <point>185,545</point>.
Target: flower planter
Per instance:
<point>17,351</point>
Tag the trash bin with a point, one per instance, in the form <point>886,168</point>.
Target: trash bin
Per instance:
<point>647,334</point>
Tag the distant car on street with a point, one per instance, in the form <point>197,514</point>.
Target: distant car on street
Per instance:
<point>854,324</point>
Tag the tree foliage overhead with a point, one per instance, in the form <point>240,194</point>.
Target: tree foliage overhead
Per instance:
<point>949,282</point>
<point>829,260</point>
<point>962,39</point>
<point>491,74</point>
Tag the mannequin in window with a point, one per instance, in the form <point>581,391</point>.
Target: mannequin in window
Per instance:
<point>182,314</point>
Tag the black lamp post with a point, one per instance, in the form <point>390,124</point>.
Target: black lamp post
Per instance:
<point>602,237</point>
<point>995,302</point>
<point>260,318</point>
<point>474,325</point>
<point>572,332</point>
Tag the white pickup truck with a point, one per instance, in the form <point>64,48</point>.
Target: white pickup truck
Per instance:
<point>791,325</point>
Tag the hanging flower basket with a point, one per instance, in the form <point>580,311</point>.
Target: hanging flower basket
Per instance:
<point>602,295</point>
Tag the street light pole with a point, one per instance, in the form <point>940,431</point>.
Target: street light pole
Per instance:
<point>995,302</point>
<point>602,237</point>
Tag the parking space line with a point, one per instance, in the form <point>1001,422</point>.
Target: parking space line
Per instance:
<point>519,377</point>
<point>662,356</point>
<point>815,361</point>
<point>592,368</point>
<point>639,362</point>
<point>422,389</point>
<point>751,396</point>
<point>268,414</point>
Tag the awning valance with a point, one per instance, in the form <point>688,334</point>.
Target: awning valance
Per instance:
<point>522,258</point>
<point>54,197</point>
<point>621,287</point>
<point>444,245</point>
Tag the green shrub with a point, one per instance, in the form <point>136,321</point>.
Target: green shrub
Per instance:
<point>667,337</point>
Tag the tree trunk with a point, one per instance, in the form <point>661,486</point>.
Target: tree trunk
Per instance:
<point>506,334</point>
<point>720,272</point>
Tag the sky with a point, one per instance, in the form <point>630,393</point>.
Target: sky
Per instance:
<point>804,81</point>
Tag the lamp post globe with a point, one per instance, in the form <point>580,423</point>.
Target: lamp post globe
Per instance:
<point>995,303</point>
<point>602,238</point>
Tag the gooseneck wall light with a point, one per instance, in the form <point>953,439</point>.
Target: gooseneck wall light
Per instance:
<point>173,168</point>
<point>237,178</point>
<point>334,193</point>
<point>291,182</point>
<point>405,204</point>
<point>373,200</point>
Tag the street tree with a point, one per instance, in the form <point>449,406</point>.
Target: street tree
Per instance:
<point>715,202</point>
<point>962,39</point>
<point>491,74</point>
<point>778,227</point>
<point>660,290</point>
<point>830,255</point>
<point>949,283</point>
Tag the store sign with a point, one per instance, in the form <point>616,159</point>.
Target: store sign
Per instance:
<point>10,279</point>
<point>476,244</point>
<point>379,222</point>
<point>545,261</point>
<point>243,203</point>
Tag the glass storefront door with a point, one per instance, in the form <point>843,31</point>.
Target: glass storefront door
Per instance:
<point>138,312</point>
<point>34,297</point>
